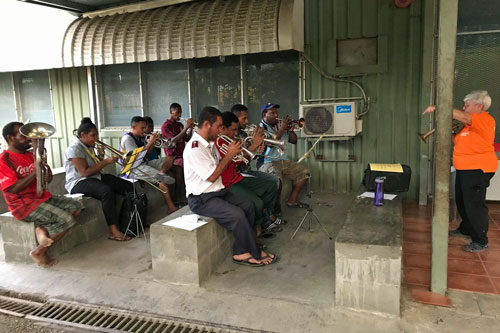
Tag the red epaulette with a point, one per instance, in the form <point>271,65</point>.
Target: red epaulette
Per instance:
<point>194,144</point>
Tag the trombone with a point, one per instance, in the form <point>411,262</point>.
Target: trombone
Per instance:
<point>454,130</point>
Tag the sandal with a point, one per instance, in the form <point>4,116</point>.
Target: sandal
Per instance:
<point>278,220</point>
<point>119,239</point>
<point>298,205</point>
<point>246,262</point>
<point>273,260</point>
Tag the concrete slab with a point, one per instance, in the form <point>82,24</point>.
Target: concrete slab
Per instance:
<point>285,297</point>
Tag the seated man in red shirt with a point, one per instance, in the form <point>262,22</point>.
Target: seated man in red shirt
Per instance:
<point>261,192</point>
<point>53,215</point>
<point>173,128</point>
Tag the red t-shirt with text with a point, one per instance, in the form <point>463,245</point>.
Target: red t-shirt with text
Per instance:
<point>14,166</point>
<point>230,176</point>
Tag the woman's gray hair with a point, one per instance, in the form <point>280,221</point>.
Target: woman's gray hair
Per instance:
<point>479,97</point>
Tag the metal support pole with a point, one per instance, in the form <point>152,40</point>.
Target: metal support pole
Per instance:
<point>445,76</point>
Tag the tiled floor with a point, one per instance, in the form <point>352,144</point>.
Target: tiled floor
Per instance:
<point>475,272</point>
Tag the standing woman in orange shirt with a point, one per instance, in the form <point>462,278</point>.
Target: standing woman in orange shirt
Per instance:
<point>476,162</point>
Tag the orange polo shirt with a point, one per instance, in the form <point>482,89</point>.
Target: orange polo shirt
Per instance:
<point>474,145</point>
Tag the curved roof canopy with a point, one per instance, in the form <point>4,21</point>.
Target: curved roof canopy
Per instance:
<point>191,30</point>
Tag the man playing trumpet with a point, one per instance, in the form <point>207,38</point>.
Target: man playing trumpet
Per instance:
<point>151,169</point>
<point>260,191</point>
<point>278,164</point>
<point>173,128</point>
<point>53,215</point>
<point>206,193</point>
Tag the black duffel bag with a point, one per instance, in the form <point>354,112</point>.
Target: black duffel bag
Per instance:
<point>394,181</point>
<point>127,210</point>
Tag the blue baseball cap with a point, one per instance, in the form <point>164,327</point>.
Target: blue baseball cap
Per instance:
<point>269,106</point>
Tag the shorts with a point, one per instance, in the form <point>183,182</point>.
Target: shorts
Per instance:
<point>54,215</point>
<point>286,169</point>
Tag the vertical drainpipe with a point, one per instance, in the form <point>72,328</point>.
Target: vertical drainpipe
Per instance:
<point>448,11</point>
<point>426,98</point>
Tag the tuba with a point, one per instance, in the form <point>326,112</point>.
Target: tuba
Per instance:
<point>38,132</point>
<point>237,158</point>
<point>161,142</point>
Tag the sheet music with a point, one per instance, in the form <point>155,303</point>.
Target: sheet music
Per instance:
<point>186,222</point>
<point>372,195</point>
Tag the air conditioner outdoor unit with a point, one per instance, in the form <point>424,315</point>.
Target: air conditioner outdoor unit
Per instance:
<point>331,119</point>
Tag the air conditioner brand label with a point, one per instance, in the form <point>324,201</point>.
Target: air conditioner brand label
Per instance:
<point>343,109</point>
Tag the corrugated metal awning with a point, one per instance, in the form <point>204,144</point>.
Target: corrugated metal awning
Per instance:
<point>191,30</point>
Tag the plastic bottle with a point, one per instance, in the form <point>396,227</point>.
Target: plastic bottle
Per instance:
<point>379,191</point>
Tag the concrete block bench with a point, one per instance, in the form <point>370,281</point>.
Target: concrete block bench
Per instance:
<point>19,237</point>
<point>188,257</point>
<point>368,257</point>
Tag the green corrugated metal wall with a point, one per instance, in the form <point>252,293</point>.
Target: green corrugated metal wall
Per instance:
<point>390,128</point>
<point>71,103</point>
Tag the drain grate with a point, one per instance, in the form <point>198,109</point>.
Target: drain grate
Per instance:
<point>116,320</point>
<point>17,307</point>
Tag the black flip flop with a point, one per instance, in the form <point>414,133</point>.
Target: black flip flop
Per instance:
<point>273,260</point>
<point>246,262</point>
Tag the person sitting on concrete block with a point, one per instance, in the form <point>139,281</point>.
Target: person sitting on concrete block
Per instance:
<point>207,195</point>
<point>153,169</point>
<point>83,175</point>
<point>260,191</point>
<point>53,215</point>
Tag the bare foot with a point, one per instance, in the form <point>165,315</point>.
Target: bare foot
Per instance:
<point>267,258</point>
<point>43,238</point>
<point>172,209</point>
<point>118,236</point>
<point>42,260</point>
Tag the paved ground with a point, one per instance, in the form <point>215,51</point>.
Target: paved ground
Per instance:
<point>10,324</point>
<point>294,295</point>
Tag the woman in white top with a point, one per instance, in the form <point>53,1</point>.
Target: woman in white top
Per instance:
<point>83,175</point>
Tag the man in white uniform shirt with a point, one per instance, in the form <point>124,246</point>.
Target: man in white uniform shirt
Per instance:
<point>206,193</point>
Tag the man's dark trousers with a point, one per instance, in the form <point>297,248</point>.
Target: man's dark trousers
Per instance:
<point>470,193</point>
<point>233,212</point>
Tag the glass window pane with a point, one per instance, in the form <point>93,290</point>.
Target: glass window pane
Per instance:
<point>273,77</point>
<point>217,83</point>
<point>34,93</point>
<point>121,94</point>
<point>166,82</point>
<point>7,103</point>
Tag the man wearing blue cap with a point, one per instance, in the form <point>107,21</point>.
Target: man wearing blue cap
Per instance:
<point>278,164</point>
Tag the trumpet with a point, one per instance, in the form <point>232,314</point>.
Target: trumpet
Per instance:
<point>457,127</point>
<point>193,125</point>
<point>294,124</point>
<point>238,157</point>
<point>38,132</point>
<point>161,141</point>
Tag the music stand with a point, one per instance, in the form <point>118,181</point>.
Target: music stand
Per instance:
<point>310,212</point>
<point>130,165</point>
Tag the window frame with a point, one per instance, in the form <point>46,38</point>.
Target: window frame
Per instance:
<point>96,81</point>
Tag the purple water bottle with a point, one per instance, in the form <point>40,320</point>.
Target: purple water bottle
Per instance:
<point>379,191</point>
